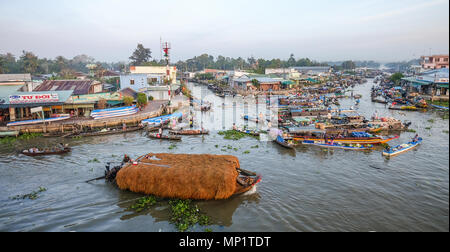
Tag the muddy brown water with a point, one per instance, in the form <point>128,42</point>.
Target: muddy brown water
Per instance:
<point>309,189</point>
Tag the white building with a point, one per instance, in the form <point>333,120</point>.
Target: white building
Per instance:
<point>156,71</point>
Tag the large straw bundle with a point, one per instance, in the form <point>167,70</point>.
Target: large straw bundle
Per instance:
<point>182,176</point>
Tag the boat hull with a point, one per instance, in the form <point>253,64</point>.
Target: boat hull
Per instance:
<point>403,150</point>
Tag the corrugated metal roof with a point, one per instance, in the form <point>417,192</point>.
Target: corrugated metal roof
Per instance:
<point>79,87</point>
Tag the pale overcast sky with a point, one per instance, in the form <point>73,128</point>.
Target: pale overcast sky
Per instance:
<point>323,30</point>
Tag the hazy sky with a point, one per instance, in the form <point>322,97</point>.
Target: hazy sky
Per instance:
<point>323,30</point>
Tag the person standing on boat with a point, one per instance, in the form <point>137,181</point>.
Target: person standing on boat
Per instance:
<point>160,131</point>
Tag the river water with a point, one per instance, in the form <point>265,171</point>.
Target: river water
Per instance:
<point>309,189</point>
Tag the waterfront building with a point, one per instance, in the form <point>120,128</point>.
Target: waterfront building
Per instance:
<point>246,82</point>
<point>137,81</point>
<point>432,83</point>
<point>435,61</point>
<point>158,72</point>
<point>17,105</point>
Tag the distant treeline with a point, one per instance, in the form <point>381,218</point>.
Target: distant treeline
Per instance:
<point>65,68</point>
<point>206,61</point>
<point>28,62</point>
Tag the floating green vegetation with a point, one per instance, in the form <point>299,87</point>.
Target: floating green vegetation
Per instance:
<point>95,160</point>
<point>411,130</point>
<point>32,196</point>
<point>428,128</point>
<point>431,121</point>
<point>7,140</point>
<point>184,214</point>
<point>217,146</point>
<point>208,230</point>
<point>234,135</point>
<point>28,136</point>
<point>172,146</point>
<point>235,149</point>
<point>143,203</point>
<point>255,147</point>
<point>445,116</point>
<point>246,152</point>
<point>445,131</point>
<point>440,103</point>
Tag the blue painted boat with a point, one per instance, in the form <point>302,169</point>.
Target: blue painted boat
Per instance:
<point>160,119</point>
<point>439,107</point>
<point>37,121</point>
<point>402,148</point>
<point>281,141</point>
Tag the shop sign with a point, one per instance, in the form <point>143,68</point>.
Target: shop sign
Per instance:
<point>33,98</point>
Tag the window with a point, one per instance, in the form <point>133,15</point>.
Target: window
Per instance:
<point>132,82</point>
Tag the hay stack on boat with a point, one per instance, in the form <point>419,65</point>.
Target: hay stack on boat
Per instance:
<point>182,176</point>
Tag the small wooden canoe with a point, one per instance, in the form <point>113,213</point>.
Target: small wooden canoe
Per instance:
<point>399,149</point>
<point>340,146</point>
<point>105,132</point>
<point>349,140</point>
<point>284,143</point>
<point>189,132</point>
<point>165,137</point>
<point>45,153</point>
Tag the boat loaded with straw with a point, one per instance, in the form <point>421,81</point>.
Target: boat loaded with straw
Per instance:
<point>184,176</point>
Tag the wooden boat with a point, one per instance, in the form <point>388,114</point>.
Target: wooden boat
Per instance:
<point>375,130</point>
<point>439,107</point>
<point>246,181</point>
<point>399,149</point>
<point>165,137</point>
<point>189,132</point>
<point>350,140</point>
<point>225,177</point>
<point>37,121</point>
<point>379,101</point>
<point>45,153</point>
<point>106,132</point>
<point>406,108</point>
<point>281,141</point>
<point>340,145</point>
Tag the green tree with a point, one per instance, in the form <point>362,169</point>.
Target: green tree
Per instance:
<point>396,77</point>
<point>142,99</point>
<point>140,55</point>
<point>255,83</point>
<point>291,61</point>
<point>29,62</point>
<point>128,100</point>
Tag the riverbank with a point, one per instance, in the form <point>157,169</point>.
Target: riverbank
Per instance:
<point>153,109</point>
